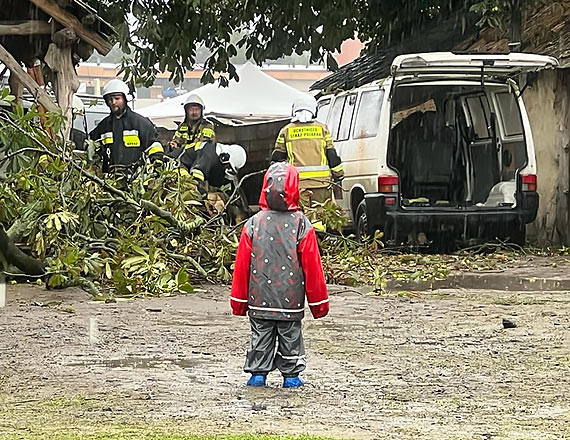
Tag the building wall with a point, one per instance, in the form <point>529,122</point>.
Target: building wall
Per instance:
<point>547,103</point>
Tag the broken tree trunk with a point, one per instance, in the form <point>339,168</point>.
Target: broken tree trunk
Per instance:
<point>59,60</point>
<point>16,69</point>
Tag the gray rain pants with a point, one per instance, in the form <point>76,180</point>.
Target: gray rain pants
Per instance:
<point>261,357</point>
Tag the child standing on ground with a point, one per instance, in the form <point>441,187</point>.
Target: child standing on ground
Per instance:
<point>277,264</point>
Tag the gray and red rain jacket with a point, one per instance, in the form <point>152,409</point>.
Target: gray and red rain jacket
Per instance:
<point>278,260</point>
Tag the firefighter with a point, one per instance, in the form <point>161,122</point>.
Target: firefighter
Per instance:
<point>126,136</point>
<point>193,132</point>
<point>216,165</point>
<point>307,144</point>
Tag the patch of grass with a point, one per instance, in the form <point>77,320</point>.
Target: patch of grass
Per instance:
<point>149,434</point>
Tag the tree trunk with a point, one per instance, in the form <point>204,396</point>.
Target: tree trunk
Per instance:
<point>516,25</point>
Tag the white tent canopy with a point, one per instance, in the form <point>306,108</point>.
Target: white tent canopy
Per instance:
<point>256,96</point>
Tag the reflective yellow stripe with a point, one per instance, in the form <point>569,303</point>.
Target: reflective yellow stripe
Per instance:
<point>182,172</point>
<point>208,132</point>
<point>318,226</point>
<point>189,146</point>
<point>107,138</point>
<point>155,148</point>
<point>289,148</point>
<point>337,169</point>
<point>305,132</point>
<point>314,174</point>
<point>181,135</point>
<point>328,137</point>
<point>183,128</point>
<point>198,145</point>
<point>198,175</point>
<point>324,153</point>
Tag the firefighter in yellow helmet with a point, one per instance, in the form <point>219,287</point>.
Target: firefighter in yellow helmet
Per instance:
<point>307,144</point>
<point>193,132</point>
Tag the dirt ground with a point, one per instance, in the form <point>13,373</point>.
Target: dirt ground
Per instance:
<point>436,365</point>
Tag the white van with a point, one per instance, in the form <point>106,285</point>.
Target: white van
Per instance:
<point>440,151</point>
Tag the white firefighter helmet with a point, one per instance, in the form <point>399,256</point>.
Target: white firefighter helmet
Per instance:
<point>77,106</point>
<point>233,156</point>
<point>193,98</point>
<point>116,86</point>
<point>305,102</point>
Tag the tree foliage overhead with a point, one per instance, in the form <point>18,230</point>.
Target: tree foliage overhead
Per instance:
<point>164,35</point>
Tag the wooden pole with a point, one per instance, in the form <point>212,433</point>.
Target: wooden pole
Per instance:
<point>16,69</point>
<point>68,20</point>
<point>59,60</point>
<point>30,27</point>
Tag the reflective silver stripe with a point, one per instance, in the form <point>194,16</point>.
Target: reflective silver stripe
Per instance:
<point>313,168</point>
<point>130,132</point>
<point>267,309</point>
<point>238,300</point>
<point>291,357</point>
<point>320,302</point>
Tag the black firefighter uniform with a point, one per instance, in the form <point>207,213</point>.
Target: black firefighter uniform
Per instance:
<point>309,147</point>
<point>190,138</point>
<point>126,139</point>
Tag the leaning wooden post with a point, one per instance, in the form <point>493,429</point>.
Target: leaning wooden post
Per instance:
<point>59,60</point>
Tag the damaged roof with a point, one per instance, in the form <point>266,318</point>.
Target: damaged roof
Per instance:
<point>546,31</point>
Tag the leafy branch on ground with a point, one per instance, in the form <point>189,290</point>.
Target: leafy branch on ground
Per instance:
<point>148,232</point>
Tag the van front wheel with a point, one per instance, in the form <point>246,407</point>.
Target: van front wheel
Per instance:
<point>361,221</point>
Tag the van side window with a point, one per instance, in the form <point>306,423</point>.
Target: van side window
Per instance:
<point>336,112</point>
<point>323,108</point>
<point>479,113</point>
<point>368,114</point>
<point>510,114</point>
<point>346,118</point>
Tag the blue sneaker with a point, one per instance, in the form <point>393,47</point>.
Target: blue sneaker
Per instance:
<point>256,380</point>
<point>292,382</point>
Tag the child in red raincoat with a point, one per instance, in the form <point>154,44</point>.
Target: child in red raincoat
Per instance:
<point>277,265</point>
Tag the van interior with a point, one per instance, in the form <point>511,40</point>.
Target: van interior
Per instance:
<point>456,145</point>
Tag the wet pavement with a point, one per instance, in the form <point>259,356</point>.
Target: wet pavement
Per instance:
<point>401,365</point>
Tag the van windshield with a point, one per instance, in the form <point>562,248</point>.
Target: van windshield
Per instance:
<point>456,145</point>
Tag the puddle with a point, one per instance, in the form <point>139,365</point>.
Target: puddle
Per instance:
<point>144,363</point>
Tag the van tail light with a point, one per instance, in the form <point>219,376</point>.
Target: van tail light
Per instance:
<point>388,184</point>
<point>529,182</point>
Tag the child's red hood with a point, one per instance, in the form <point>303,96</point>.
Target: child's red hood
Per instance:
<point>280,190</point>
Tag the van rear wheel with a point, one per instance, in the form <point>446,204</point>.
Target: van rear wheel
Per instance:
<point>361,222</point>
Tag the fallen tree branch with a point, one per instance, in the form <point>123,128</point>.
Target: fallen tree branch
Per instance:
<point>233,194</point>
<point>184,228</point>
<point>15,257</point>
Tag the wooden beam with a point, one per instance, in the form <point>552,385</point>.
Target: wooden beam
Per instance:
<point>29,27</point>
<point>16,69</point>
<point>67,19</point>
<point>59,60</point>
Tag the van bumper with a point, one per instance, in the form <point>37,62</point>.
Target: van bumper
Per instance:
<point>466,223</point>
